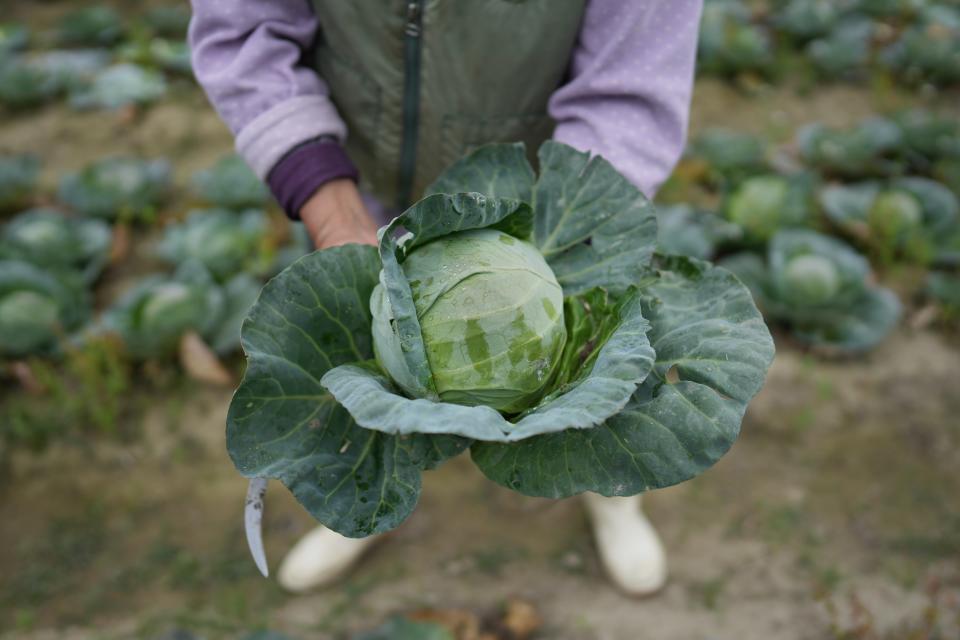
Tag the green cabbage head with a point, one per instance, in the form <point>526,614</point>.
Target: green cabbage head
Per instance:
<point>757,206</point>
<point>172,308</point>
<point>38,308</point>
<point>29,317</point>
<point>811,279</point>
<point>895,214</point>
<point>491,313</point>
<point>151,317</point>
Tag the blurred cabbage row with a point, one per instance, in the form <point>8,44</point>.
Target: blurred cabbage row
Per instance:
<point>915,41</point>
<point>95,59</point>
<point>802,223</point>
<point>65,257</point>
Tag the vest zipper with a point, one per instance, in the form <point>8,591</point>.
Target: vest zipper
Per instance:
<point>411,101</point>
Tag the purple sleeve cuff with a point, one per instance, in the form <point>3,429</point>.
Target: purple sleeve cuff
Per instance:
<point>301,172</point>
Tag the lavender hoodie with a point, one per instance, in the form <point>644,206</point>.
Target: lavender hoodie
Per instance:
<point>627,97</point>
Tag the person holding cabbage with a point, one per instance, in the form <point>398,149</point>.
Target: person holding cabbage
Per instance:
<point>349,109</point>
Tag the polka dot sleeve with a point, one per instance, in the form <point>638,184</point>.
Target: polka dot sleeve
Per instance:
<point>631,81</point>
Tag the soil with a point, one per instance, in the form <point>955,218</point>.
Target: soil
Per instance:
<point>834,516</point>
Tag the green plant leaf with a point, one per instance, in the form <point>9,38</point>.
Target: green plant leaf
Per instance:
<point>495,170</point>
<point>685,231</point>
<point>706,328</point>
<point>283,424</point>
<point>619,365</point>
<point>594,227</point>
<point>849,205</point>
<point>240,292</point>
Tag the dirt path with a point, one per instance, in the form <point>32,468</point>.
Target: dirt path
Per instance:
<point>834,512</point>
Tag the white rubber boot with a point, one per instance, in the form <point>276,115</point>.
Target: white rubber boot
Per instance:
<point>629,547</point>
<point>319,559</point>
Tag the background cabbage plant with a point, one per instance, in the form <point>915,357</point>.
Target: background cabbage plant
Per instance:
<point>117,188</point>
<point>96,26</point>
<point>730,44</point>
<point>18,180</point>
<point>729,157</point>
<point>231,184</point>
<point>120,85</point>
<point>661,356</point>
<point>764,204</point>
<point>871,148</point>
<point>844,50</point>
<point>225,242</point>
<point>904,216</point>
<point>928,51</point>
<point>154,315</point>
<point>14,37</point>
<point>24,85</point>
<point>820,288</point>
<point>39,310</point>
<point>50,239</point>
<point>685,231</point>
<point>928,138</point>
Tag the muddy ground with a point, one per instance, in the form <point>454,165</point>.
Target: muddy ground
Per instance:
<point>834,516</point>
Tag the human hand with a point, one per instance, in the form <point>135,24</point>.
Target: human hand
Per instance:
<point>335,215</point>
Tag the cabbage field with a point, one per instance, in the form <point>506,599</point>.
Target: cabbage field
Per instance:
<point>822,169</point>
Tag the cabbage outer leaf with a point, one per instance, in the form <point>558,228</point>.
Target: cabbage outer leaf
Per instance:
<point>497,170</point>
<point>685,231</point>
<point>240,293</point>
<point>283,424</point>
<point>705,325</point>
<point>858,327</point>
<point>575,199</point>
<point>940,206</point>
<point>622,363</point>
<point>849,205</point>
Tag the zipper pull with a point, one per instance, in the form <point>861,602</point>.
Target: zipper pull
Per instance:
<point>413,19</point>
